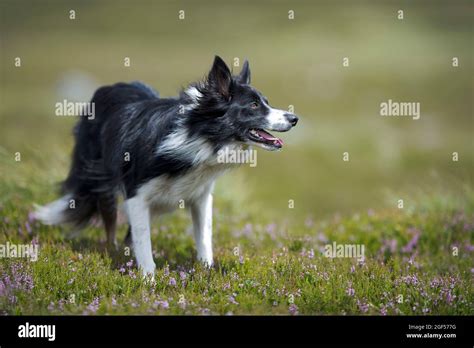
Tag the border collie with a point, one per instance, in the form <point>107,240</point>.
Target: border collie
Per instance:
<point>157,152</point>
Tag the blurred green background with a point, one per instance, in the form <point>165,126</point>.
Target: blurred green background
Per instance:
<point>297,62</point>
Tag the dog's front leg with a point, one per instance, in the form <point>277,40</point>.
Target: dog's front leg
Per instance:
<point>201,212</point>
<point>138,212</point>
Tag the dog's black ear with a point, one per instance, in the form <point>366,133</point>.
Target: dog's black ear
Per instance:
<point>244,76</point>
<point>220,78</point>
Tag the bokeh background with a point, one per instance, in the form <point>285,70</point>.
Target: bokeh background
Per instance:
<point>297,62</point>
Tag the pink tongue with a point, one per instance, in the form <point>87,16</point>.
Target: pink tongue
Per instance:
<point>269,137</point>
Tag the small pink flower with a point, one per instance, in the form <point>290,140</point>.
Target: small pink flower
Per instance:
<point>350,290</point>
<point>182,275</point>
<point>232,300</point>
<point>293,309</point>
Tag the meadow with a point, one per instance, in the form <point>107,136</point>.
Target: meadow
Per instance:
<point>416,261</point>
<point>269,253</point>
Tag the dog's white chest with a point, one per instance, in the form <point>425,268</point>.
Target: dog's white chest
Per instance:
<point>167,193</point>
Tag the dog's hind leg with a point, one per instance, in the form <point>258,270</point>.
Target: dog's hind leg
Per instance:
<point>108,210</point>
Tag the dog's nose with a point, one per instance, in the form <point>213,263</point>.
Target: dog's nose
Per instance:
<point>292,118</point>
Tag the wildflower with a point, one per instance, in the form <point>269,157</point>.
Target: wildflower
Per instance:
<point>3,289</point>
<point>247,230</point>
<point>182,275</point>
<point>271,229</point>
<point>232,299</point>
<point>293,309</point>
<point>241,259</point>
<point>350,290</point>
<point>93,306</point>
<point>51,306</point>
<point>412,243</point>
<point>35,241</point>
<point>162,304</point>
<point>450,297</point>
<point>31,217</point>
<point>172,281</point>
<point>322,238</point>
<point>363,307</point>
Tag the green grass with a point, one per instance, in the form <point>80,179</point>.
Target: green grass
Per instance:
<point>262,267</point>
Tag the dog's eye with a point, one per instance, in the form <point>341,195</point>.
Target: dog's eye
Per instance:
<point>254,105</point>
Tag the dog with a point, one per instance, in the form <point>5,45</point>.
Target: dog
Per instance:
<point>157,152</point>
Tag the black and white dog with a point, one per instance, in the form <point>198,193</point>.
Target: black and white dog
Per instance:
<point>158,152</point>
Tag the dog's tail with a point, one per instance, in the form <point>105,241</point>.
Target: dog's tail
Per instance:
<point>88,179</point>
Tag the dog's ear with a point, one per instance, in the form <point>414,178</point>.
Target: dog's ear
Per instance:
<point>220,78</point>
<point>244,76</point>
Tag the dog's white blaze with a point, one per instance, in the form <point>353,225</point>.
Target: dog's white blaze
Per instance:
<point>54,212</point>
<point>276,119</point>
<point>173,141</point>
<point>194,93</point>
<point>138,213</point>
<point>178,144</point>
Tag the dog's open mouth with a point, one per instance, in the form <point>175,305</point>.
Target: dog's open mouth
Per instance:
<point>261,136</point>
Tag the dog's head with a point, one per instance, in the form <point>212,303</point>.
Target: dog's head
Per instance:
<point>228,110</point>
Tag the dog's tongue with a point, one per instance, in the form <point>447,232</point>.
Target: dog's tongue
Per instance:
<point>269,137</point>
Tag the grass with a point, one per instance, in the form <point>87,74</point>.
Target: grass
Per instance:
<point>262,267</point>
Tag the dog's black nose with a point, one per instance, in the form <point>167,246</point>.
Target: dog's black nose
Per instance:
<point>292,118</point>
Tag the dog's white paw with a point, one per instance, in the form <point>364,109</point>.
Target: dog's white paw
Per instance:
<point>149,279</point>
<point>148,271</point>
<point>206,260</point>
